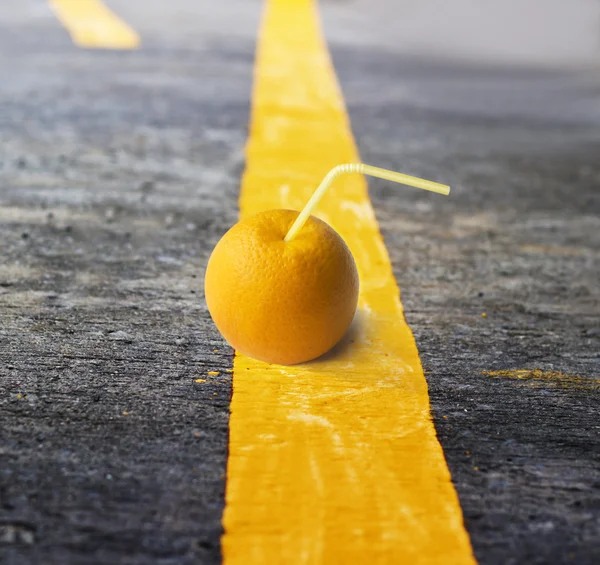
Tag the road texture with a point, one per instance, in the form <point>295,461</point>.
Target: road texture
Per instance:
<point>119,171</point>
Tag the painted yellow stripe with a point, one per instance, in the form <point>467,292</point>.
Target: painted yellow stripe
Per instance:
<point>334,461</point>
<point>91,24</point>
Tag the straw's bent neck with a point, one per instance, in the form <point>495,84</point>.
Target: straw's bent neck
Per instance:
<point>361,168</point>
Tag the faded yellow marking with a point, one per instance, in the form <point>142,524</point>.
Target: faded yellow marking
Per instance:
<point>213,373</point>
<point>537,377</point>
<point>91,24</point>
<point>551,250</point>
<point>337,460</point>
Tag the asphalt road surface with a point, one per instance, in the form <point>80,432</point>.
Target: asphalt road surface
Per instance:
<point>119,171</point>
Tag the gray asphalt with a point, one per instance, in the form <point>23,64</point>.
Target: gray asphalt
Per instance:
<point>120,171</point>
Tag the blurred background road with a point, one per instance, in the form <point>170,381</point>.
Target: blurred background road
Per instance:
<point>119,171</point>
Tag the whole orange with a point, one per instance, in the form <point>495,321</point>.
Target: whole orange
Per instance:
<point>281,302</point>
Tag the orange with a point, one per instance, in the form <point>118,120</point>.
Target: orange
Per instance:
<point>281,302</point>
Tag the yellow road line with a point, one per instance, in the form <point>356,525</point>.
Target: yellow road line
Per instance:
<point>334,461</point>
<point>91,24</point>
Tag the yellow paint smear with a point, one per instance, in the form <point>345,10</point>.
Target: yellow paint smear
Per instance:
<point>537,377</point>
<point>551,250</point>
<point>91,24</point>
<point>334,461</point>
